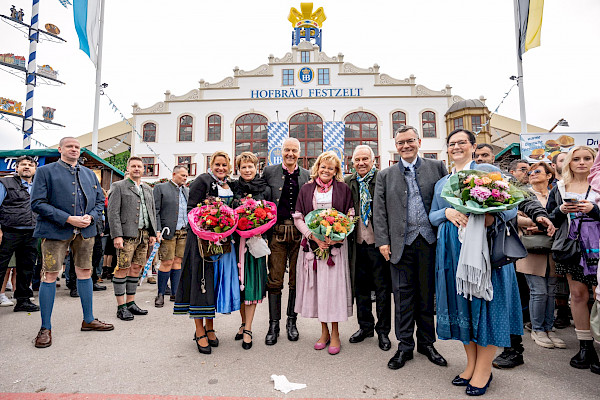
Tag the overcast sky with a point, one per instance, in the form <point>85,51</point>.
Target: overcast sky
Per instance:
<point>151,46</point>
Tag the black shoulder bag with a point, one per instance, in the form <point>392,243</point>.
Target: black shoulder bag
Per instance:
<point>571,254</point>
<point>505,245</point>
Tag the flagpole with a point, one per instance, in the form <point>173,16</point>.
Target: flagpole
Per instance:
<point>98,82</point>
<point>520,70</point>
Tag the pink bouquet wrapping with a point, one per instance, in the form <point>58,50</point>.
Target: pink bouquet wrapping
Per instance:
<point>255,217</point>
<point>213,221</point>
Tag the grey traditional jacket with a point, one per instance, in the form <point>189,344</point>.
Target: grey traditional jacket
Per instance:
<point>166,203</point>
<point>390,210</point>
<point>124,205</point>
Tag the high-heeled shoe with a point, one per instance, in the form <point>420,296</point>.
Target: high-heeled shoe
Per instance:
<point>458,381</point>
<point>202,349</point>
<point>240,336</point>
<point>211,342</point>
<point>247,346</point>
<point>321,346</point>
<point>475,391</point>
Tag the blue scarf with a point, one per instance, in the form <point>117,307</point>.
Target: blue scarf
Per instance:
<point>365,195</point>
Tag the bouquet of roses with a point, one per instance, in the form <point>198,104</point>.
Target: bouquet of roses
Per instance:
<point>479,192</point>
<point>331,224</point>
<point>255,218</point>
<point>213,221</point>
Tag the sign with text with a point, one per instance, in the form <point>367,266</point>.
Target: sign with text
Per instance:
<point>304,93</point>
<point>544,146</point>
<point>8,164</point>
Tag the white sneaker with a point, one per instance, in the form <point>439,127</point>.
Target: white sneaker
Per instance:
<point>5,301</point>
<point>558,343</point>
<point>541,339</point>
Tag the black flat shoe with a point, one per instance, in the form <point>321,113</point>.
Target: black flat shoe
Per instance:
<point>202,349</point>
<point>240,336</point>
<point>458,381</point>
<point>97,287</point>
<point>124,314</point>
<point>475,391</point>
<point>135,310</point>
<point>399,359</point>
<point>212,343</point>
<point>247,346</point>
<point>361,335</point>
<point>384,342</point>
<point>431,353</point>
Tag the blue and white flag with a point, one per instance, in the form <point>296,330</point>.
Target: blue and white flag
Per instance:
<point>277,133</point>
<point>86,14</point>
<point>333,138</point>
<point>65,3</point>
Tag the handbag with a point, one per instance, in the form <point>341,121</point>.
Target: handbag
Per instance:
<point>537,244</point>
<point>571,254</point>
<point>203,245</point>
<point>505,245</point>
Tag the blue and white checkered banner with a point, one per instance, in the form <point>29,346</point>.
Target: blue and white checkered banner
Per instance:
<point>333,138</point>
<point>277,133</point>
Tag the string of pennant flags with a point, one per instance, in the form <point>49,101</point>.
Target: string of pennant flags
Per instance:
<point>18,128</point>
<point>495,112</point>
<point>118,111</point>
<point>110,149</point>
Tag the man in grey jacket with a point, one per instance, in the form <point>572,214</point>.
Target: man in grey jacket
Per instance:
<point>405,237</point>
<point>132,220</point>
<point>170,200</point>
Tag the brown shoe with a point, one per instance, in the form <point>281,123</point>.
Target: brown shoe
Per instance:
<point>96,325</point>
<point>44,338</point>
<point>151,279</point>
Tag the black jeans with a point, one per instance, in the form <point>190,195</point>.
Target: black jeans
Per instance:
<point>23,245</point>
<point>372,272</point>
<point>413,283</point>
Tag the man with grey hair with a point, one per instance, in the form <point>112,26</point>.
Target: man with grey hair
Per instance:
<point>285,180</point>
<point>405,237</point>
<point>368,269</point>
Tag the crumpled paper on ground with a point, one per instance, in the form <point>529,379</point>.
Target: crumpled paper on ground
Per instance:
<point>285,386</point>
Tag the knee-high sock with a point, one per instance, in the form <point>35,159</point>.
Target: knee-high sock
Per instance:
<point>175,277</point>
<point>119,286</point>
<point>163,280</point>
<point>85,287</point>
<point>131,285</point>
<point>46,299</point>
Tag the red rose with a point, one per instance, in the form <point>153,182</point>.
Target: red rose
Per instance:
<point>243,223</point>
<point>260,213</point>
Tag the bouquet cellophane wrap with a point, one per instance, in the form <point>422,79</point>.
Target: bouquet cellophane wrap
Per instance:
<point>259,230</point>
<point>214,237</point>
<point>320,231</point>
<point>451,192</point>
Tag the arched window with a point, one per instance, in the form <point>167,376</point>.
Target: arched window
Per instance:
<point>398,119</point>
<point>308,129</point>
<point>214,127</point>
<point>149,132</point>
<point>251,135</point>
<point>428,119</point>
<point>185,128</point>
<point>361,128</point>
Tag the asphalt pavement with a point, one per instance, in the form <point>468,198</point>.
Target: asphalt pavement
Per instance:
<point>155,355</point>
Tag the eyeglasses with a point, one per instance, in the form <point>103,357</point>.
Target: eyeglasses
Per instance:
<point>535,172</point>
<point>460,144</point>
<point>407,141</point>
<point>522,169</point>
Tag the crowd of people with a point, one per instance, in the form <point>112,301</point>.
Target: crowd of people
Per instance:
<point>407,242</point>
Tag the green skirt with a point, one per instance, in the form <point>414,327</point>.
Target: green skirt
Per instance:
<point>255,279</point>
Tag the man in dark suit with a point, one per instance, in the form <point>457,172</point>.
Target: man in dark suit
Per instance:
<point>368,269</point>
<point>170,201</point>
<point>404,236</point>
<point>68,200</point>
<point>285,180</point>
<point>133,228</point>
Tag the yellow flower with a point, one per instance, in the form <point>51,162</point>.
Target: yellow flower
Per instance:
<point>486,180</point>
<point>495,176</point>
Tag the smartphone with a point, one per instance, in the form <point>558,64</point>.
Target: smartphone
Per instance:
<point>572,201</point>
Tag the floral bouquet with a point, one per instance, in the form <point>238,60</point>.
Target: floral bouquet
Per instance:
<point>479,192</point>
<point>255,218</point>
<point>213,222</point>
<point>331,224</point>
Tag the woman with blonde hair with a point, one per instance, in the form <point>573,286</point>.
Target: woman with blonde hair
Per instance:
<point>323,290</point>
<point>208,284</point>
<point>573,209</point>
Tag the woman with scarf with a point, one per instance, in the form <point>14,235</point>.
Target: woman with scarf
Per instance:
<point>323,290</point>
<point>573,208</point>
<point>481,325</point>
<point>255,269</point>
<point>208,284</point>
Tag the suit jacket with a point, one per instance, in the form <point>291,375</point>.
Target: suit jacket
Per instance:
<point>273,174</point>
<point>166,203</point>
<point>124,204</point>
<point>53,199</point>
<point>355,190</point>
<point>390,211</point>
